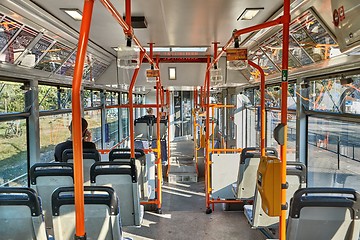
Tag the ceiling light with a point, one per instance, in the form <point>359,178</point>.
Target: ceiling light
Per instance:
<point>172,73</point>
<point>249,13</point>
<point>189,49</point>
<point>158,49</point>
<point>75,13</point>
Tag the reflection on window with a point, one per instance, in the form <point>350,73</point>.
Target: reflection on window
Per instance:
<point>65,98</point>
<point>273,96</point>
<point>292,96</point>
<point>336,95</point>
<point>87,98</point>
<point>53,130</point>
<point>18,46</point>
<point>259,57</point>
<point>94,121</point>
<point>93,68</point>
<point>67,68</point>
<point>12,98</point>
<point>112,127</point>
<point>38,50</point>
<point>273,118</point>
<point>112,98</point>
<point>335,154</point>
<point>54,57</point>
<point>48,98</point>
<point>13,153</point>
<point>273,49</point>
<point>252,128</point>
<point>313,37</point>
<point>96,98</point>
<point>8,29</point>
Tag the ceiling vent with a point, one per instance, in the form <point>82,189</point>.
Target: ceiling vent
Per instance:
<point>138,21</point>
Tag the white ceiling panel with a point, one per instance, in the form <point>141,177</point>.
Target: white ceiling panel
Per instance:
<point>170,22</point>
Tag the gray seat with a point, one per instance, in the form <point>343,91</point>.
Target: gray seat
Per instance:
<point>296,178</point>
<point>45,178</point>
<point>20,214</point>
<point>245,186</point>
<point>142,128</point>
<point>324,213</point>
<point>101,212</point>
<point>163,128</point>
<point>90,156</point>
<point>122,178</point>
<point>123,155</point>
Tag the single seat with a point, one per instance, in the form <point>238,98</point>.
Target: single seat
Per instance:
<point>101,212</point>
<point>163,128</point>
<point>245,186</point>
<point>45,178</point>
<point>324,213</point>
<point>90,156</point>
<point>142,128</point>
<point>296,178</point>
<point>122,178</point>
<point>123,155</point>
<point>20,214</point>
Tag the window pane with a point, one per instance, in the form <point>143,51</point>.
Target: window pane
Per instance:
<point>67,68</point>
<point>94,120</point>
<point>87,99</point>
<point>48,98</point>
<point>8,29</point>
<point>96,99</point>
<point>273,118</point>
<point>252,128</point>
<point>335,154</point>
<point>65,98</point>
<point>273,49</point>
<point>54,57</point>
<point>260,58</point>
<point>112,127</point>
<point>39,49</point>
<point>292,96</point>
<point>53,130</point>
<point>12,98</point>
<point>273,96</point>
<point>13,153</point>
<point>112,98</point>
<point>336,95</point>
<point>20,43</point>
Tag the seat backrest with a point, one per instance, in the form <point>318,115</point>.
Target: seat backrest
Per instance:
<point>163,128</point>
<point>101,209</point>
<point>249,162</point>
<point>122,178</point>
<point>142,128</point>
<point>324,213</point>
<point>20,214</point>
<point>123,155</point>
<point>45,178</point>
<point>90,156</point>
<point>296,178</point>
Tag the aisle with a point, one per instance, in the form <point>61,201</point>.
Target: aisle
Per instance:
<point>184,213</point>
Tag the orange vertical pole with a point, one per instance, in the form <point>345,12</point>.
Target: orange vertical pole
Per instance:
<point>158,142</point>
<point>262,106</point>
<point>168,137</point>
<point>76,119</point>
<point>207,135</point>
<point>128,16</point>
<point>213,127</point>
<point>131,107</point>
<point>284,110</point>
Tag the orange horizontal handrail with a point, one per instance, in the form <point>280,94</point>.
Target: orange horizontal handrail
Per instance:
<point>134,105</point>
<point>226,150</point>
